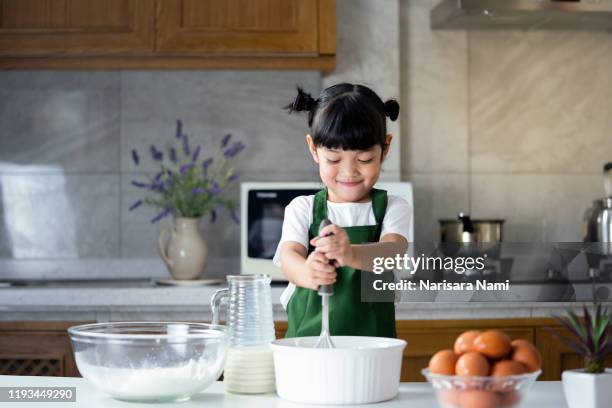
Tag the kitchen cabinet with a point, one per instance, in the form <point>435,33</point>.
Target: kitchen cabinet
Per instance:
<point>172,34</point>
<point>43,348</point>
<point>75,28</point>
<point>36,348</point>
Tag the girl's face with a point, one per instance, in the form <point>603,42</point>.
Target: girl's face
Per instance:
<point>349,174</point>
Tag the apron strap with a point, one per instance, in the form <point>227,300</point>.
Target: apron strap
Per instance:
<point>319,209</point>
<point>379,206</point>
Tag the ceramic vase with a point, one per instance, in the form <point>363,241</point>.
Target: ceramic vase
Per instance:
<point>185,252</point>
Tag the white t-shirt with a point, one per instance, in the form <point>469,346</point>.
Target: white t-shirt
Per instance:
<point>298,217</point>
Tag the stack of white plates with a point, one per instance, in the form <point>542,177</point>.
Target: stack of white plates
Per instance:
<point>249,370</point>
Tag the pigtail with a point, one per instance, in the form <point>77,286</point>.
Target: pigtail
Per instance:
<point>392,109</point>
<point>302,102</point>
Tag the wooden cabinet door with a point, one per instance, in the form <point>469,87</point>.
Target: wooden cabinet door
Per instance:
<point>76,27</point>
<point>557,357</point>
<point>36,353</point>
<point>238,26</point>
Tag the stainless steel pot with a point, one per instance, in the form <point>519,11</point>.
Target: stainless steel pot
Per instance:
<point>465,230</point>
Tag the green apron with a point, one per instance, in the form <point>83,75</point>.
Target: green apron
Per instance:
<point>348,315</point>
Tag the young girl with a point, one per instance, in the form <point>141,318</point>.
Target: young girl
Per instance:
<point>348,140</point>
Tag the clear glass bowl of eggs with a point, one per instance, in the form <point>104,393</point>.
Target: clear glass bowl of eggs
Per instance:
<point>485,369</point>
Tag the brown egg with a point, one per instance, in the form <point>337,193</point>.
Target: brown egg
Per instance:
<point>465,341</point>
<point>449,397</point>
<point>443,362</point>
<point>510,399</point>
<point>472,364</point>
<point>479,399</point>
<point>493,344</point>
<point>525,353</point>
<point>503,368</point>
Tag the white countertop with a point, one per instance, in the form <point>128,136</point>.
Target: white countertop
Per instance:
<point>544,394</point>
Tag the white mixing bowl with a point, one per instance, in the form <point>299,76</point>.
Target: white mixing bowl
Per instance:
<point>359,370</point>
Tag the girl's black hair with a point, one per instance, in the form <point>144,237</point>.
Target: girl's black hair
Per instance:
<point>346,116</point>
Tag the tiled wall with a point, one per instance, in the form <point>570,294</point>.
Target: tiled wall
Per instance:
<point>504,124</point>
<point>511,124</point>
<point>66,137</point>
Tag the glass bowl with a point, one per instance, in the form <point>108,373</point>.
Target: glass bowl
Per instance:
<point>453,391</point>
<point>150,361</point>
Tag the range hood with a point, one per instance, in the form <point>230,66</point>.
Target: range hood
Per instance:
<point>523,14</point>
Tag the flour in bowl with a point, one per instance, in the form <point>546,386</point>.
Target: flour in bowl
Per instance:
<point>151,383</point>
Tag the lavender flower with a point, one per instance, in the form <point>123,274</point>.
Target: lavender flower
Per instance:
<point>196,153</point>
<point>135,157</point>
<point>179,186</point>
<point>161,215</point>
<point>233,150</point>
<point>207,163</point>
<point>159,186</point>
<point>156,154</point>
<point>215,189</point>
<point>234,176</point>
<point>186,167</point>
<point>226,140</point>
<point>140,184</point>
<point>179,128</point>
<point>185,142</point>
<point>135,205</point>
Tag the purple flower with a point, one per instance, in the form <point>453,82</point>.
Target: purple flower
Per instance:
<point>173,155</point>
<point>186,167</point>
<point>207,163</point>
<point>233,150</point>
<point>179,128</point>
<point>135,157</point>
<point>159,186</point>
<point>156,154</point>
<point>198,190</point>
<point>161,215</point>
<point>234,177</point>
<point>136,205</point>
<point>159,175</point>
<point>140,184</point>
<point>185,142</point>
<point>215,189</point>
<point>196,153</point>
<point>226,140</point>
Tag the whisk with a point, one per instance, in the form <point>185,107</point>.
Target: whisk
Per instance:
<point>325,291</point>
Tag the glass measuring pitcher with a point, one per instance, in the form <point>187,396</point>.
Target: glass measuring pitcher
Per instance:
<point>250,316</point>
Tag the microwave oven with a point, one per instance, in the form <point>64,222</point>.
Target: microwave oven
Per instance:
<point>262,209</point>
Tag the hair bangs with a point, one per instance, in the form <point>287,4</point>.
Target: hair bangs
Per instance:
<point>348,124</point>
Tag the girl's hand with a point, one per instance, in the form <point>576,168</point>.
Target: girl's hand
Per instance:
<point>319,271</point>
<point>336,246</point>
